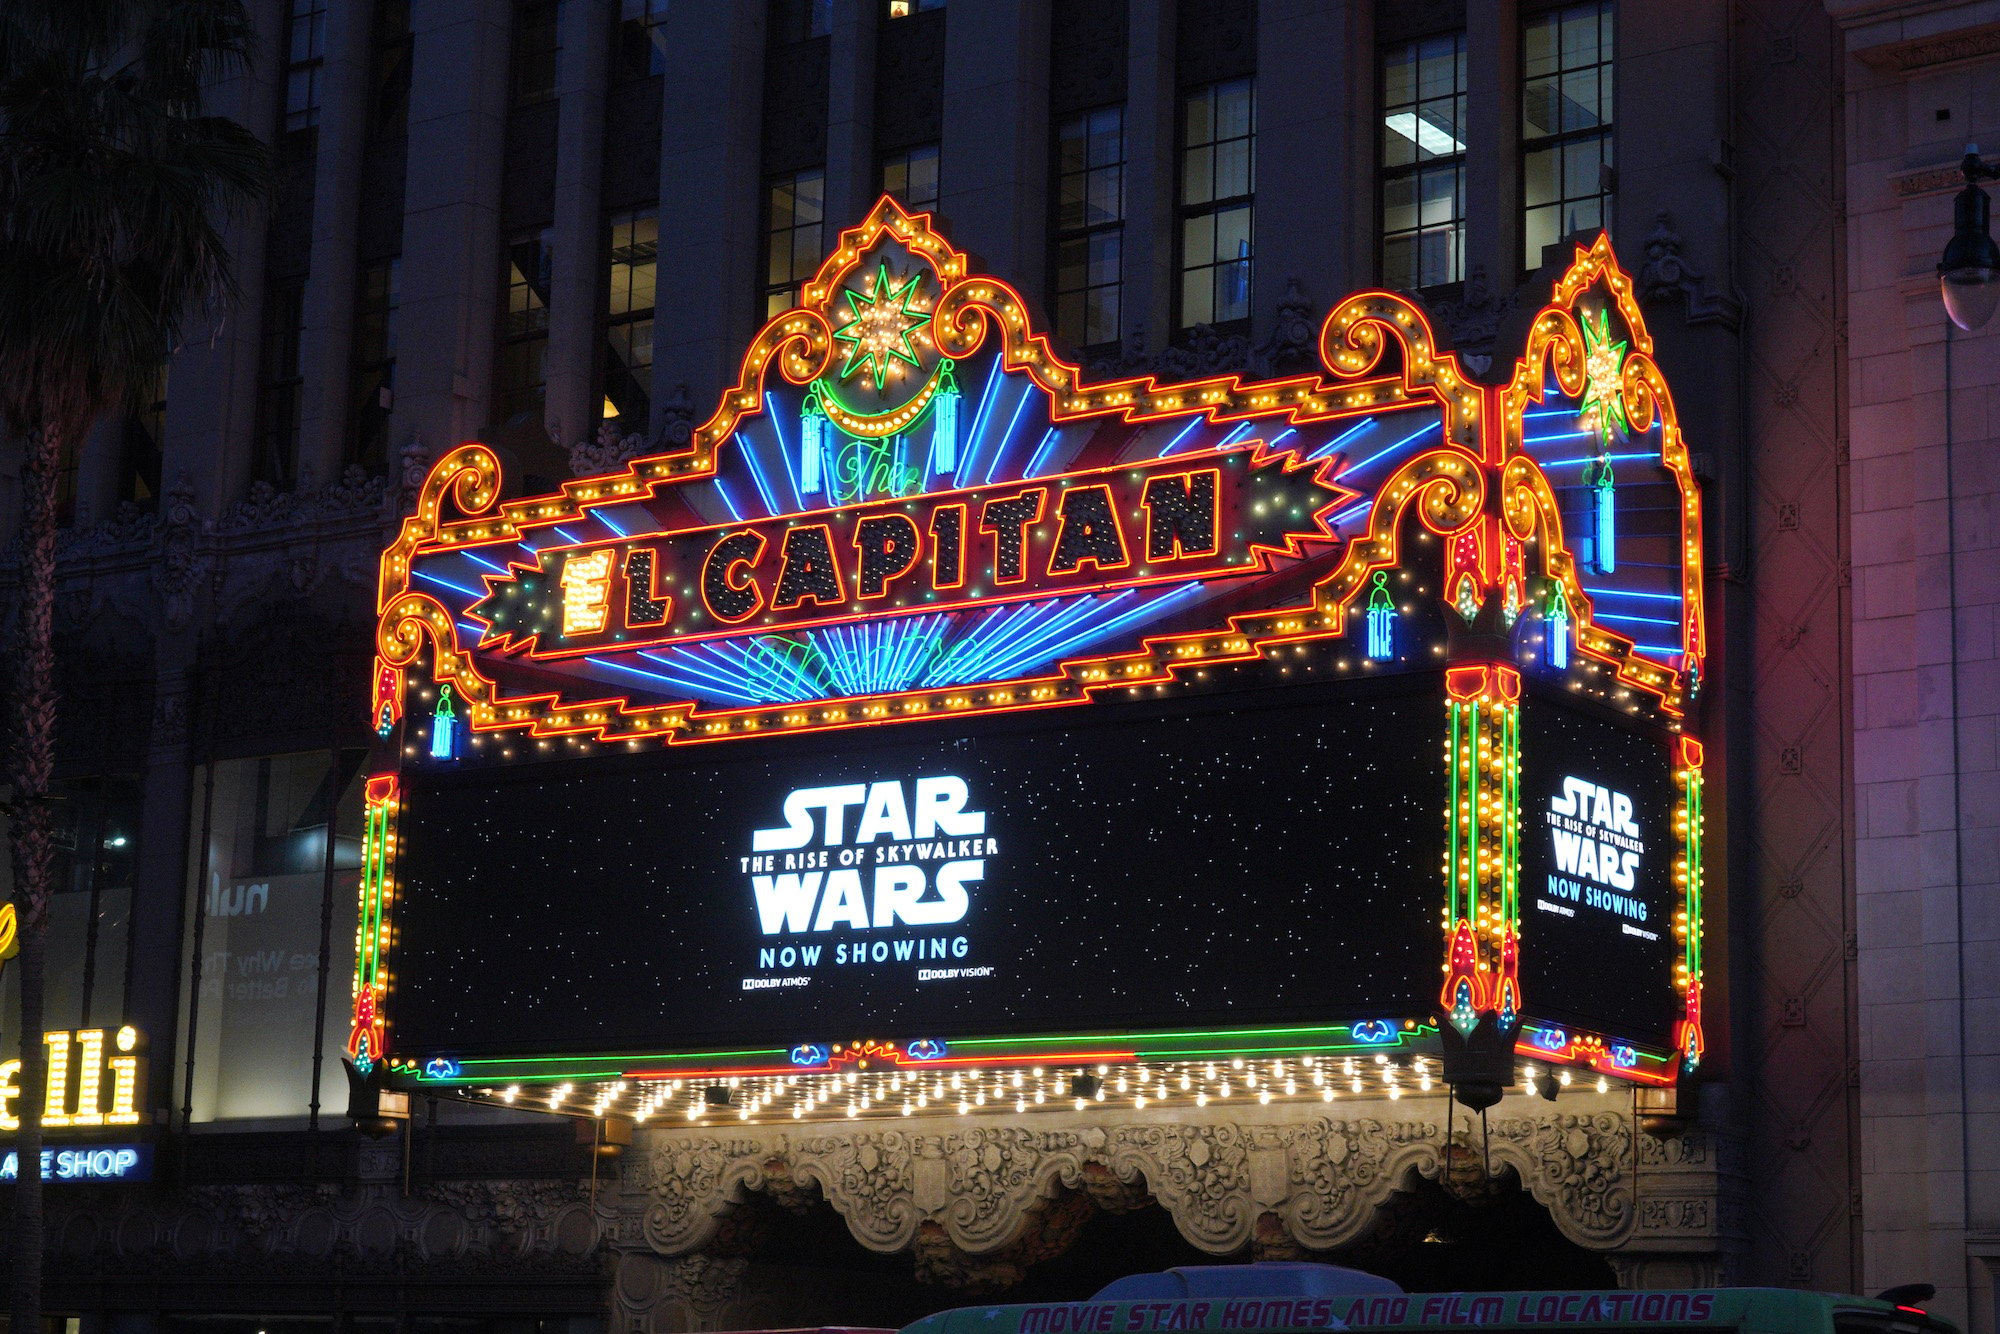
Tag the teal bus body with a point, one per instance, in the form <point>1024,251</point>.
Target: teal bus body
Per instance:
<point>1740,1310</point>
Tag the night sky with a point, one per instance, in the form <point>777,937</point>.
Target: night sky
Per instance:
<point>1224,866</point>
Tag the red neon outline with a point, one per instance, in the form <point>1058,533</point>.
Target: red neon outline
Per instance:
<point>1180,550</point>
<point>861,593</point>
<point>749,583</point>
<point>1041,495</point>
<point>653,564</point>
<point>825,531</point>
<point>1117,528</point>
<point>960,544</point>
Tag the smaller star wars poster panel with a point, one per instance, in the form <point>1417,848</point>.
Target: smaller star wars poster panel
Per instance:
<point>1154,868</point>
<point>1598,901</point>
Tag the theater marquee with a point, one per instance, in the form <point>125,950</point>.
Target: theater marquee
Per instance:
<point>940,708</point>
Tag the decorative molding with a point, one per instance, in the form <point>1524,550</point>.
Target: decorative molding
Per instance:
<point>1925,53</point>
<point>954,1193</point>
<point>1944,178</point>
<point>1667,276</point>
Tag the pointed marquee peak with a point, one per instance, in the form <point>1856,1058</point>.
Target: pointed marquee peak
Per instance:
<point>909,504</point>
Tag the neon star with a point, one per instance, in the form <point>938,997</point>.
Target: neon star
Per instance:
<point>1603,369</point>
<point>880,329</point>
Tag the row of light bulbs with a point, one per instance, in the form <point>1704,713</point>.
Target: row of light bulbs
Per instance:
<point>912,1091</point>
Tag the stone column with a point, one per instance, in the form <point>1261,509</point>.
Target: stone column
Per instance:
<point>161,882</point>
<point>1315,147</point>
<point>326,346</point>
<point>851,182</point>
<point>575,277</point>
<point>1493,142</point>
<point>711,214</point>
<point>994,162</point>
<point>212,382</point>
<point>1151,105</point>
<point>451,225</point>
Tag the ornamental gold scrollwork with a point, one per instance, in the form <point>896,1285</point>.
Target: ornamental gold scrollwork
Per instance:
<point>1448,489</point>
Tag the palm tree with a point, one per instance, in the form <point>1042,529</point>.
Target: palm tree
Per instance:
<point>114,191</point>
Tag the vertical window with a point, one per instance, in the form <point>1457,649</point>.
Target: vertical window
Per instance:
<point>642,38</point>
<point>912,177</point>
<point>1423,162</point>
<point>902,9</point>
<point>795,211</point>
<point>1566,102</point>
<point>522,376</point>
<point>1090,226</point>
<point>1218,185</point>
<point>372,379</point>
<point>144,444</point>
<point>305,56</point>
<point>389,71</point>
<point>279,383</point>
<point>537,49</point>
<point>274,882</point>
<point>632,253</point>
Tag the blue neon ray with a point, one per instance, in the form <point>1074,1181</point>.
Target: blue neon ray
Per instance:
<point>1343,438</point>
<point>1237,434</point>
<point>605,519</point>
<point>1634,620</point>
<point>1390,449</point>
<point>1280,439</point>
<point>480,560</point>
<point>979,416</point>
<point>1042,452</point>
<point>1175,443</point>
<point>1632,593</point>
<point>1592,458</point>
<point>1007,440</point>
<point>784,452</point>
<point>428,577</point>
<point>728,500</point>
<point>749,454</point>
<point>569,537</point>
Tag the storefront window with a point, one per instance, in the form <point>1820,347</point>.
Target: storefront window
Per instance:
<point>265,888</point>
<point>90,910</point>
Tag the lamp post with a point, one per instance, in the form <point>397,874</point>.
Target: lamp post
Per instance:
<point>1969,273</point>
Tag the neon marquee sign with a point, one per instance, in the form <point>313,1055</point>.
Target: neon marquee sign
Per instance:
<point>910,507</point>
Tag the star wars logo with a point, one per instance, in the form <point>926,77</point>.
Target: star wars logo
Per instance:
<point>877,857</point>
<point>1598,850</point>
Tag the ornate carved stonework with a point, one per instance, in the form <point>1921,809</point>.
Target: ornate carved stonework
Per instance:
<point>1667,276</point>
<point>976,1202</point>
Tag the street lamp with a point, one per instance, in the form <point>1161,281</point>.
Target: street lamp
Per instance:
<point>1969,273</point>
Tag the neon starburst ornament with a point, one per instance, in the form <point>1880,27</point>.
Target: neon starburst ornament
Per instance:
<point>1603,371</point>
<point>879,332</point>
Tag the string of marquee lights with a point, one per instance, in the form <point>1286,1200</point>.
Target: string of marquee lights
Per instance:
<point>1638,395</point>
<point>1689,1037</point>
<point>1482,919</point>
<point>366,1041</point>
<point>1354,343</point>
<point>1479,490</point>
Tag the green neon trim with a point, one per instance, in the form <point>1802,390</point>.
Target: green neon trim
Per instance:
<point>828,392</point>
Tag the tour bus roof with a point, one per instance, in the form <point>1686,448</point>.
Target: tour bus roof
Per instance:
<point>1264,1301</point>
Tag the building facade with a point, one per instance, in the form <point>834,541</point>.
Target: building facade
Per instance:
<point>555,227</point>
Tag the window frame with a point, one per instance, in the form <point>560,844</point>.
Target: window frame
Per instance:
<point>519,57</point>
<point>275,461</point>
<point>381,366</point>
<point>1214,207</point>
<point>1605,130</point>
<point>907,156</point>
<point>769,288</point>
<point>519,329</point>
<point>1086,231</point>
<point>650,18</point>
<point>1418,167</point>
<point>311,66</point>
<point>608,320</point>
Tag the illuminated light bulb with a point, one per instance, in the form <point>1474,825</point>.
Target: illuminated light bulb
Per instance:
<point>1201,1100</point>
<point>1603,1084</point>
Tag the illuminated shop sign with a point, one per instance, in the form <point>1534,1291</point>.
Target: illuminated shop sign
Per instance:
<point>98,1162</point>
<point>934,691</point>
